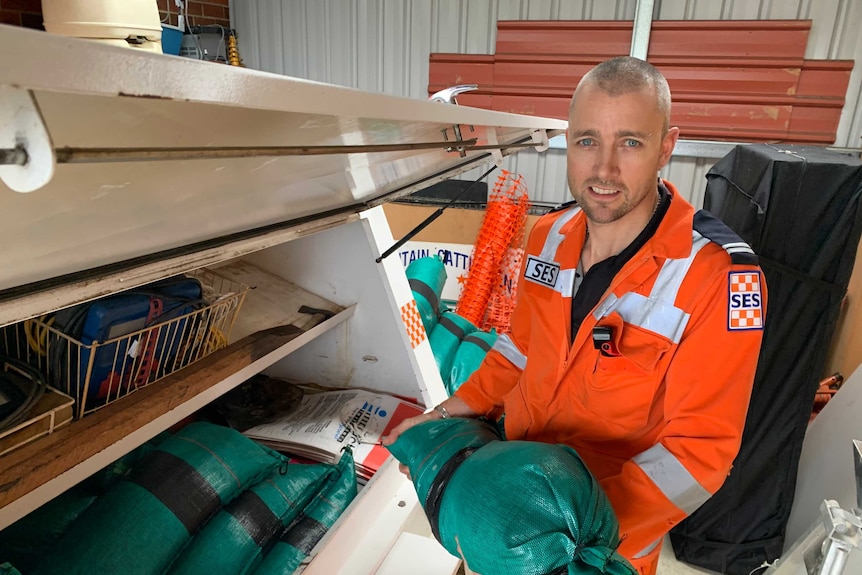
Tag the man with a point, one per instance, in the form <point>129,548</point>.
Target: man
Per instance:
<point>638,326</point>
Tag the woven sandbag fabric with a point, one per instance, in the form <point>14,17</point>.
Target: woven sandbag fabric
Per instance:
<point>469,355</point>
<point>25,542</point>
<point>309,527</point>
<point>426,277</point>
<point>8,569</point>
<point>142,522</point>
<point>451,328</point>
<point>510,507</point>
<point>234,540</point>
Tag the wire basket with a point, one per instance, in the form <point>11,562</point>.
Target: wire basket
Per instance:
<point>97,373</point>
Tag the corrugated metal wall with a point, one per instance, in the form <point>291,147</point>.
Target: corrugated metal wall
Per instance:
<point>384,46</point>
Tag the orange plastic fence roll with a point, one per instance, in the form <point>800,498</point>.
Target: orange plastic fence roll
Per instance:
<point>486,300</point>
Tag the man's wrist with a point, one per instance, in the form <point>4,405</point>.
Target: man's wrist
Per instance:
<point>444,414</point>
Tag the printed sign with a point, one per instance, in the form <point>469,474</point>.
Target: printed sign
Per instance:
<point>457,259</point>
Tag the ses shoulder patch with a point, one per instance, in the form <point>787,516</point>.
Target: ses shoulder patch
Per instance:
<point>745,301</point>
<point>542,272</point>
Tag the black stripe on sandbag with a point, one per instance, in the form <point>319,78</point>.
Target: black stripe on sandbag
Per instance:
<point>434,498</point>
<point>425,291</point>
<point>304,533</point>
<point>451,326</point>
<point>180,488</point>
<point>484,345</point>
<point>256,517</point>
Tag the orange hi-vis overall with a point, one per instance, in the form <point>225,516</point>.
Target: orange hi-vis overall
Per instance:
<point>659,419</point>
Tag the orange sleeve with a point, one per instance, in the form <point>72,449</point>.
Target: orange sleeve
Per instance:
<point>707,389</point>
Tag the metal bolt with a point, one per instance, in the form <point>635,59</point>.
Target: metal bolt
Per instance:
<point>16,156</point>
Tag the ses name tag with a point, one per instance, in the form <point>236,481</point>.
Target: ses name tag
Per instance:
<point>542,272</point>
<point>745,303</point>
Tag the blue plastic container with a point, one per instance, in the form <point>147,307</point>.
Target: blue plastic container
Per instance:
<point>172,37</point>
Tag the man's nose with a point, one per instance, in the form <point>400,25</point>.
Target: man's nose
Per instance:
<point>607,164</point>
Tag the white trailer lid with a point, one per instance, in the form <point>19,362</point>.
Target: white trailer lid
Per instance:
<point>123,125</point>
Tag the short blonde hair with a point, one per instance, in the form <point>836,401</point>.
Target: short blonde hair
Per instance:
<point>625,74</point>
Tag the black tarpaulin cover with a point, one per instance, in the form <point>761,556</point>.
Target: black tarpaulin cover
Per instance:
<point>799,209</point>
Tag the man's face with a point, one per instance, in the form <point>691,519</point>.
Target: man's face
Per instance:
<point>615,150</point>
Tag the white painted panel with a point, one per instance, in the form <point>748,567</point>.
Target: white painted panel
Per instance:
<point>339,265</point>
<point>784,10</point>
<point>573,10</point>
<point>511,10</point>
<point>849,46</point>
<point>480,31</point>
<point>539,10</point>
<point>114,211</point>
<point>689,177</point>
<point>824,26</point>
<point>671,9</point>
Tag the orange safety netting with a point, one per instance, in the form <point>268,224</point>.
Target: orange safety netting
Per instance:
<point>488,296</point>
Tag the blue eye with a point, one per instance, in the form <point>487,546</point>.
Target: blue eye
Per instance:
<point>585,142</point>
<point>631,143</point>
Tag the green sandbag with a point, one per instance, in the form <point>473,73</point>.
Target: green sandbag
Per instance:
<point>103,479</point>
<point>8,569</point>
<point>427,276</point>
<point>469,355</point>
<point>298,540</point>
<point>141,523</point>
<point>514,507</point>
<point>25,542</point>
<point>451,328</point>
<point>234,540</point>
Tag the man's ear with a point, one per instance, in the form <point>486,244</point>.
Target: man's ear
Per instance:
<point>668,143</point>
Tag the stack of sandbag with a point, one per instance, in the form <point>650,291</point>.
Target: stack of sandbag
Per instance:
<point>297,541</point>
<point>205,500</point>
<point>235,540</point>
<point>450,330</point>
<point>458,345</point>
<point>459,348</point>
<point>28,540</point>
<point>144,520</point>
<point>426,277</point>
<point>510,506</point>
<point>470,354</point>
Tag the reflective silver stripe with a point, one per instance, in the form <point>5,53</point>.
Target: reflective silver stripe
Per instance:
<point>565,281</point>
<point>510,351</point>
<point>673,272</point>
<point>672,478</point>
<point>555,238</point>
<point>657,313</point>
<point>737,248</point>
<point>647,313</point>
<point>647,550</point>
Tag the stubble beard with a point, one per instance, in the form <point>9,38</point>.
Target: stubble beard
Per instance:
<point>600,215</point>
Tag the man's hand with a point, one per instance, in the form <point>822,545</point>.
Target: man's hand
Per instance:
<point>453,406</point>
